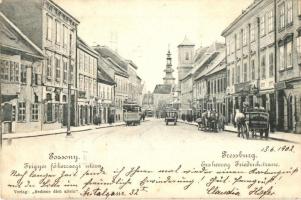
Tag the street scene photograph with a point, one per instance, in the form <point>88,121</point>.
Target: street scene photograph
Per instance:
<point>150,99</point>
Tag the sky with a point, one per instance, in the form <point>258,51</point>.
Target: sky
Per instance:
<point>142,30</point>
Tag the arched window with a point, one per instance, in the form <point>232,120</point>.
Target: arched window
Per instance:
<point>48,97</point>
<point>187,56</point>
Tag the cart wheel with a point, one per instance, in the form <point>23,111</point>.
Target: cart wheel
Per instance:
<point>266,134</point>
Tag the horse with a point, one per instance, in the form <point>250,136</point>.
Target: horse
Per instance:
<point>240,120</point>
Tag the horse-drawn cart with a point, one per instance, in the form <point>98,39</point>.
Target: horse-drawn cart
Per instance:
<point>258,122</point>
<point>252,122</point>
<point>171,115</point>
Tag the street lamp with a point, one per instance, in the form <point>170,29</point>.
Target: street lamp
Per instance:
<point>69,90</point>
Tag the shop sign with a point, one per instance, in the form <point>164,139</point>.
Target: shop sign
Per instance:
<point>280,85</point>
<point>242,87</point>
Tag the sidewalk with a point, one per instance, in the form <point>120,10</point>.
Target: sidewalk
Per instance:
<point>280,136</point>
<point>59,131</point>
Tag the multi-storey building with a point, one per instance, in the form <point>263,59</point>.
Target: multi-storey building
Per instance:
<point>288,72</point>
<point>105,90</point>
<point>120,75</point>
<point>135,84</point>
<point>250,58</point>
<point>209,78</point>
<point>87,101</point>
<point>54,31</point>
<point>20,77</point>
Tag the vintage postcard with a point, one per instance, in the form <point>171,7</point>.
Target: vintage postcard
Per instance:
<point>150,99</point>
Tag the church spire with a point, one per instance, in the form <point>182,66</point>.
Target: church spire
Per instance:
<point>169,79</point>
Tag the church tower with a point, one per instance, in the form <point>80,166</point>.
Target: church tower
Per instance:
<point>168,79</point>
<point>185,57</point>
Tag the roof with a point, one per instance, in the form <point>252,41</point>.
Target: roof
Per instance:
<point>243,13</point>
<point>186,42</point>
<point>218,65</point>
<point>209,58</point>
<point>103,77</point>
<point>118,70</point>
<point>106,52</point>
<point>108,58</point>
<point>132,63</point>
<point>81,42</point>
<point>11,37</point>
<point>163,89</point>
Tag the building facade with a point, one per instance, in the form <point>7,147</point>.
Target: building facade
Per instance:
<point>88,106</point>
<point>250,58</point>
<point>21,80</point>
<point>288,72</point>
<point>105,91</point>
<point>119,70</point>
<point>54,31</point>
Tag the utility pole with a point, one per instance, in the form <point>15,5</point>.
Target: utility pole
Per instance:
<point>69,90</point>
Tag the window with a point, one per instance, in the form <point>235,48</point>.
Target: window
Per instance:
<point>49,117</point>
<point>23,74</point>
<point>12,71</point>
<point>237,41</point>
<point>81,83</point>
<point>86,62</point>
<point>245,72</point>
<point>271,64</point>
<point>244,36</point>
<point>49,27</point>
<point>34,112</point>
<point>49,67</point>
<point>17,71</point>
<point>65,35</point>
<point>262,25</point>
<point>58,32</point>
<point>299,47</point>
<point>281,16</point>
<point>252,32</point>
<point>6,71</point>
<point>263,66</point>
<point>253,69</point>
<point>57,69</point>
<point>65,75</point>
<point>281,57</point>
<point>270,21</point>
<point>289,56</point>
<point>81,60</point>
<point>289,12</point>
<point>34,76</point>
<point>237,74</point>
<point>21,111</point>
<point>187,56</point>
